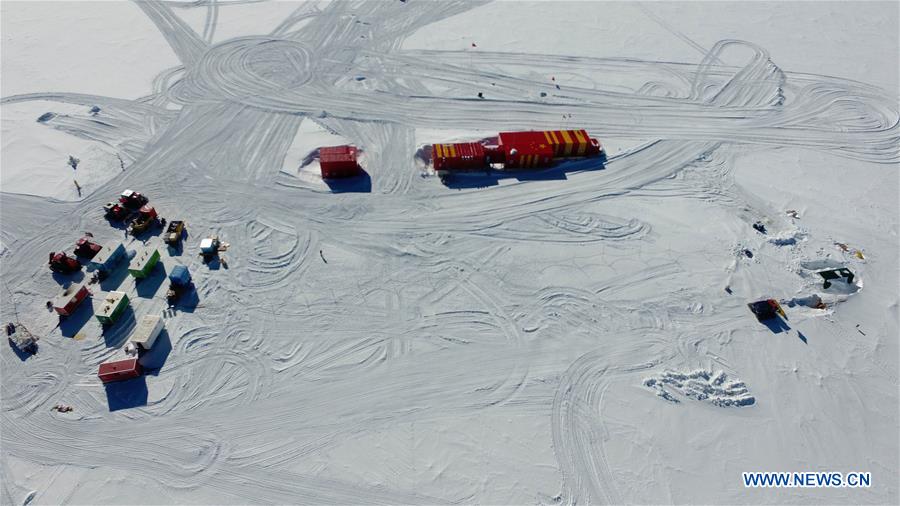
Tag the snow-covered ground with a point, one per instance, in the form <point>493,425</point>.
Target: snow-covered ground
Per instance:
<point>576,335</point>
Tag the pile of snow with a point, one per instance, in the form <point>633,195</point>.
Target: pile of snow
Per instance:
<point>715,388</point>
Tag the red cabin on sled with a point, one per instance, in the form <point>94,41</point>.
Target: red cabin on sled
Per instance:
<point>338,161</point>
<point>119,370</point>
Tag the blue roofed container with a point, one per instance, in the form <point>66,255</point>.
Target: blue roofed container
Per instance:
<point>109,256</point>
<point>180,275</point>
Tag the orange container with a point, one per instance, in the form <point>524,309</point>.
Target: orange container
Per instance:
<point>466,156</point>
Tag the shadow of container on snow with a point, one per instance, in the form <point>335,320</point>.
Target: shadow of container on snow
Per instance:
<point>154,359</point>
<point>357,184</point>
<point>147,287</point>
<point>70,325</point>
<point>116,334</point>
<point>126,394</point>
<point>490,177</point>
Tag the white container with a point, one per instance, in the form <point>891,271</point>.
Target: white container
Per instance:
<point>147,331</point>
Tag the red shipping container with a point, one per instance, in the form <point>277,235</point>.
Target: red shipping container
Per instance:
<point>119,370</point>
<point>466,156</point>
<point>525,149</point>
<point>66,302</point>
<point>563,143</point>
<point>338,161</point>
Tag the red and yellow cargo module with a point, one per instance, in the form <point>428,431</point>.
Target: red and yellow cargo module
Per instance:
<point>564,143</point>
<point>467,156</point>
<point>525,150</point>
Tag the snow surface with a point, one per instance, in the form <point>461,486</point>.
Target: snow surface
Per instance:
<point>505,339</point>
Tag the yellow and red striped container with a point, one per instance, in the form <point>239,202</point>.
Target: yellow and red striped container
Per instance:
<point>461,156</point>
<point>564,143</point>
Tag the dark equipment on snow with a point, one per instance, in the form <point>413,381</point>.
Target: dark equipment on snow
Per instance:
<point>63,264</point>
<point>115,211</point>
<point>209,248</point>
<point>21,339</point>
<point>174,233</point>
<point>766,309</point>
<point>836,274</point>
<point>146,218</point>
<point>759,227</point>
<point>132,199</point>
<point>86,248</point>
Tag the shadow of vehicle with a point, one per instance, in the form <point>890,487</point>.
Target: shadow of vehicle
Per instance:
<point>357,184</point>
<point>74,277</point>
<point>126,394</point>
<point>776,325</point>
<point>214,263</point>
<point>178,249</point>
<point>23,355</point>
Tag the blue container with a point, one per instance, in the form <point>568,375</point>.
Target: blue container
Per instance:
<point>108,257</point>
<point>180,275</point>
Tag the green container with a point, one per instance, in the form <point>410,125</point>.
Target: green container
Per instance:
<point>112,307</point>
<point>143,263</point>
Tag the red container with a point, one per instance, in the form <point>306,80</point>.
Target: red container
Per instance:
<point>525,150</point>
<point>563,143</point>
<point>338,161</point>
<point>467,156</point>
<point>119,370</point>
<point>66,303</point>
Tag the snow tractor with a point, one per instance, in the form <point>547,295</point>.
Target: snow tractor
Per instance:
<point>146,218</point>
<point>63,264</point>
<point>115,211</point>
<point>174,233</point>
<point>132,199</point>
<point>86,248</point>
<point>766,309</point>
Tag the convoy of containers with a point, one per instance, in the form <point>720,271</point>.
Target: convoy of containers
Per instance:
<point>512,150</point>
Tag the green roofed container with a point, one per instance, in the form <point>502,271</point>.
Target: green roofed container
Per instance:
<point>111,307</point>
<point>144,262</point>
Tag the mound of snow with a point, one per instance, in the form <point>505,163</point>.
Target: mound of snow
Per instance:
<point>702,385</point>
